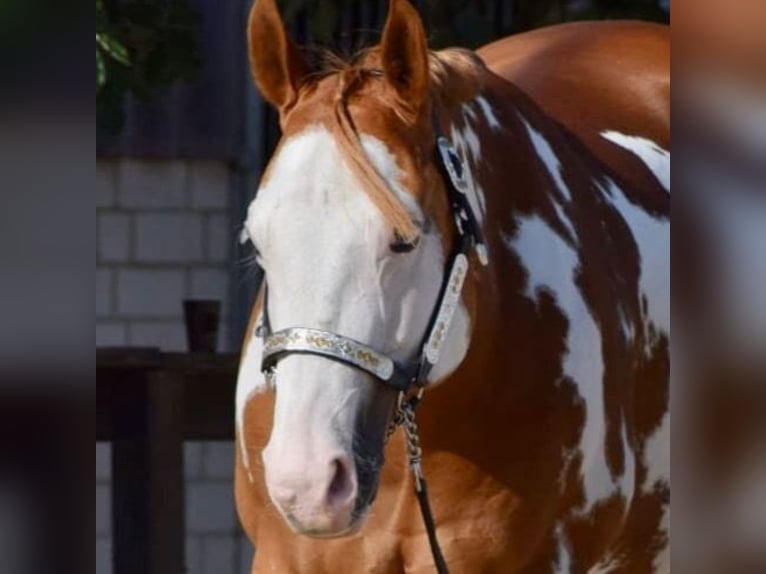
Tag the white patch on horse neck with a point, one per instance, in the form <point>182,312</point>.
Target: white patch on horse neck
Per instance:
<point>628,329</point>
<point>552,265</point>
<point>628,478</point>
<point>465,139</point>
<point>608,565</point>
<point>468,147</point>
<point>468,142</point>
<point>546,154</point>
<point>550,160</point>
<point>655,158</point>
<point>468,111</point>
<point>652,236</point>
<point>564,551</point>
<point>489,113</point>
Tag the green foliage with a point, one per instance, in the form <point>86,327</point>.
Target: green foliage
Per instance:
<point>108,47</point>
<point>141,47</point>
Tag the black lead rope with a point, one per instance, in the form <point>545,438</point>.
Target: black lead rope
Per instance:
<point>428,519</point>
<point>415,454</point>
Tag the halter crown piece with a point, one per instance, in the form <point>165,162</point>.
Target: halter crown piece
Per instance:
<point>414,374</point>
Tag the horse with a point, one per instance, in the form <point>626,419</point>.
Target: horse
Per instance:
<point>494,226</point>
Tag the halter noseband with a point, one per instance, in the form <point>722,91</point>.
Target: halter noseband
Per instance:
<point>413,375</point>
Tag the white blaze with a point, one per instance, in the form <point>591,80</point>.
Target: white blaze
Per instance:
<point>326,252</point>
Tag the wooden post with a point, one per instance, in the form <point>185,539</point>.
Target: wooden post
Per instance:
<point>147,473</point>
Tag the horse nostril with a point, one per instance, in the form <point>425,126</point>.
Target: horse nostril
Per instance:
<point>341,487</point>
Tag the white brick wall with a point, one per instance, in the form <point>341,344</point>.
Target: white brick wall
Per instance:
<point>111,334</point>
<point>220,238</point>
<point>211,283</point>
<point>152,184</point>
<point>169,237</point>
<point>106,183</point>
<point>150,292</point>
<point>104,292</point>
<point>165,234</point>
<point>113,237</point>
<point>206,177</point>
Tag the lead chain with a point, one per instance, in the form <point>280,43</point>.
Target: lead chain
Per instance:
<point>398,418</point>
<point>414,450</point>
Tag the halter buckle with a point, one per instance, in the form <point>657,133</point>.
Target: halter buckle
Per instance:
<point>453,164</point>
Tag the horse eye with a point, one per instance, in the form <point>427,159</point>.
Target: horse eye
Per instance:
<point>399,245</point>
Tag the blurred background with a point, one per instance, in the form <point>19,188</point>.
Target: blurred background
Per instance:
<point>182,138</point>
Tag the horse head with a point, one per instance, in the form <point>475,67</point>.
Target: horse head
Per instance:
<point>353,228</point>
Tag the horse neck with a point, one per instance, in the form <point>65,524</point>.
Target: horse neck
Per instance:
<point>491,134</point>
<point>476,133</point>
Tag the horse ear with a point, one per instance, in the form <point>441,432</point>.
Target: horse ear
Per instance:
<point>277,64</point>
<point>405,53</point>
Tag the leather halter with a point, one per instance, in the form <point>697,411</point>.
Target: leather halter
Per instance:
<point>414,374</point>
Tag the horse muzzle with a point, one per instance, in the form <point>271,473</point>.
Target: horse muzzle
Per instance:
<point>316,492</point>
